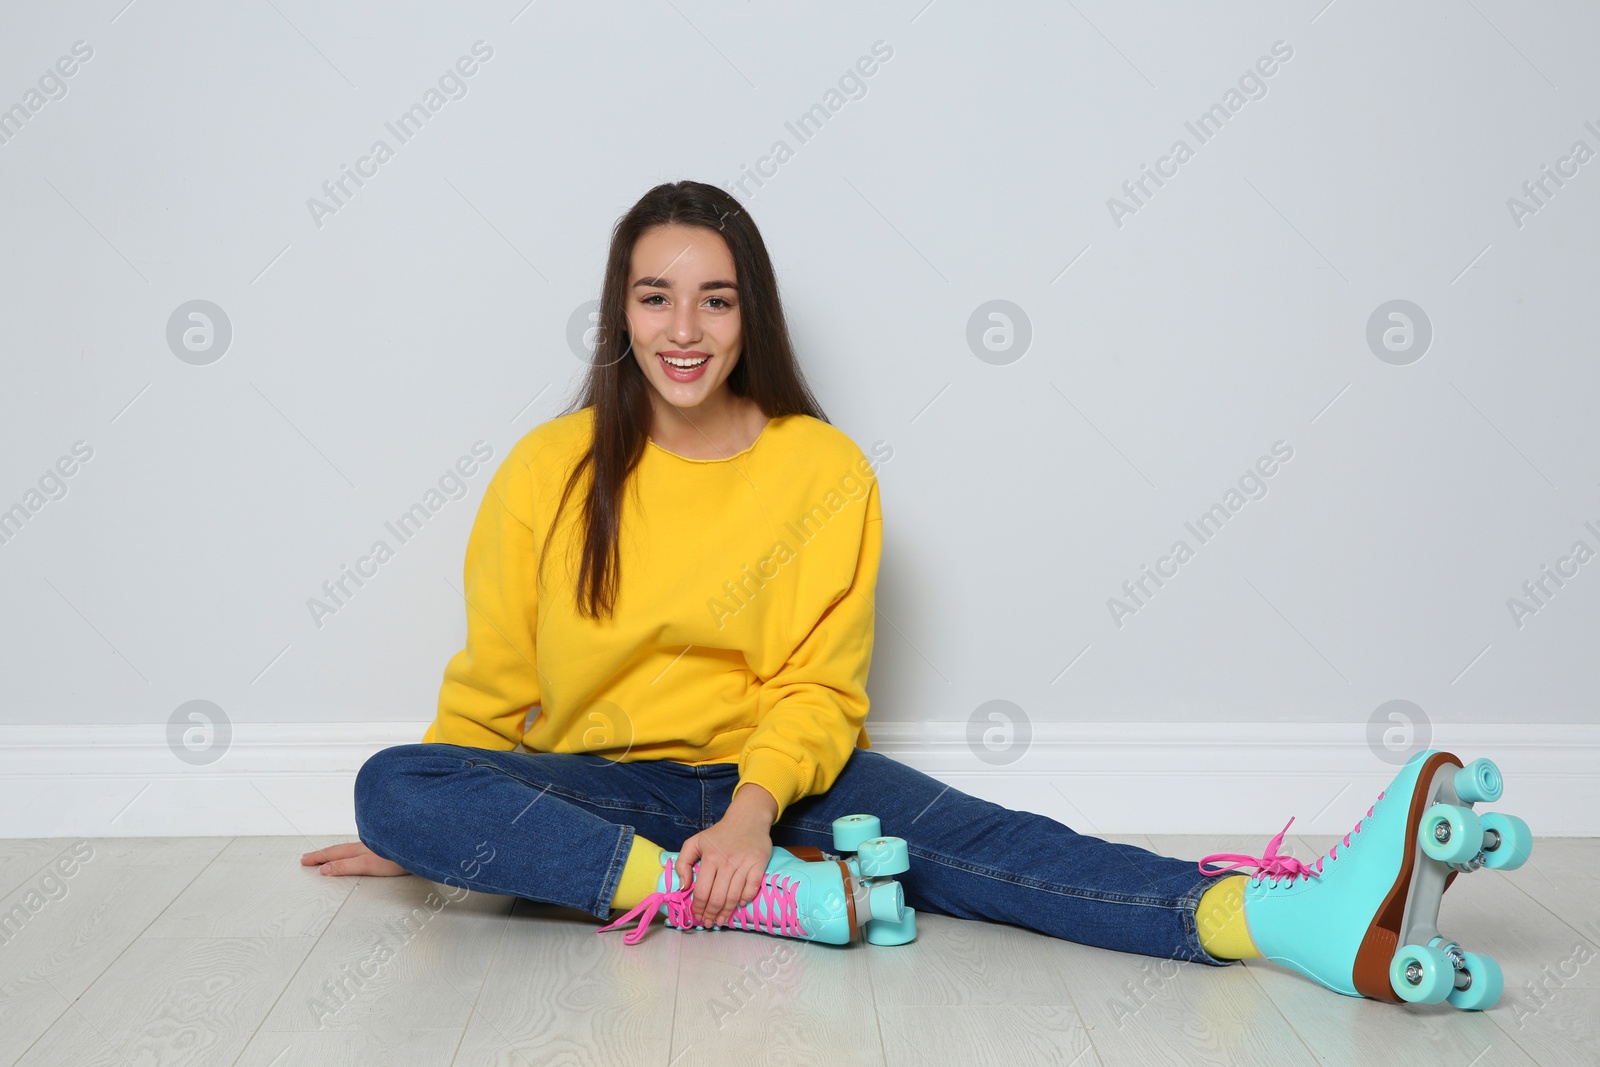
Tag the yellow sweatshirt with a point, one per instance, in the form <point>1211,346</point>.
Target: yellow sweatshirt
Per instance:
<point>744,615</point>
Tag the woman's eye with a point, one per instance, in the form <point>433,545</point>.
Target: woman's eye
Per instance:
<point>721,302</point>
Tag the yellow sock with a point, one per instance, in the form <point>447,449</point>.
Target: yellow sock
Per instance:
<point>1220,918</point>
<point>640,874</point>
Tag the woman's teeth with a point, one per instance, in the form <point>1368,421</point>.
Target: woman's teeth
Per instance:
<point>685,364</point>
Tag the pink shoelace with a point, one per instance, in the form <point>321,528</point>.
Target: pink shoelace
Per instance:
<point>1272,866</point>
<point>773,910</point>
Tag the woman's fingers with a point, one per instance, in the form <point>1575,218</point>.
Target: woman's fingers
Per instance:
<point>716,888</point>
<point>731,888</point>
<point>351,858</point>
<point>686,859</point>
<point>705,882</point>
<point>738,892</point>
<point>371,863</point>
<point>722,883</point>
<point>752,885</point>
<point>333,852</point>
<point>716,893</point>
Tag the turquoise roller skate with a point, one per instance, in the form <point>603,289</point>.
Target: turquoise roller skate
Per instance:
<point>1363,920</point>
<point>805,893</point>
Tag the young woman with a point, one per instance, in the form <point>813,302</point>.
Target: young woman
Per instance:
<point>678,575</point>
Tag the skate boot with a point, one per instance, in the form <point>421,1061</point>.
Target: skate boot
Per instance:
<point>804,894</point>
<point>1363,920</point>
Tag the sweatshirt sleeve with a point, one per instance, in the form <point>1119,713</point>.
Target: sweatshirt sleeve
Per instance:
<point>813,709</point>
<point>490,684</point>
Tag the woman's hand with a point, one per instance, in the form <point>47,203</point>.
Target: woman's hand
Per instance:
<point>733,855</point>
<point>351,858</point>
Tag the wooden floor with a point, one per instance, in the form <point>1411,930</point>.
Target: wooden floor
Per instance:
<point>167,951</point>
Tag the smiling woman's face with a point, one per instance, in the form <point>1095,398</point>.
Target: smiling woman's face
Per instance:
<point>683,308</point>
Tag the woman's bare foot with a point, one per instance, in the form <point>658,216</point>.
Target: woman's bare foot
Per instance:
<point>352,857</point>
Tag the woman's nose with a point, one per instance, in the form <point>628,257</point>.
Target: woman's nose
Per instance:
<point>685,325</point>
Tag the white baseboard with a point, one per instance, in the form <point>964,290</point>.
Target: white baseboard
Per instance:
<point>1100,778</point>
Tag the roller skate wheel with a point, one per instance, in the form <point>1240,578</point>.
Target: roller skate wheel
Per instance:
<point>886,900</point>
<point>1484,983</point>
<point>850,830</point>
<point>1421,974</point>
<point>1450,834</point>
<point>1479,782</point>
<point>884,932</point>
<point>1513,843</point>
<point>881,857</point>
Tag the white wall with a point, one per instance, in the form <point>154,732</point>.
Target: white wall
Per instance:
<point>1172,344</point>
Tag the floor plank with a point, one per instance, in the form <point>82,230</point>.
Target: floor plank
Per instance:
<point>962,1035</point>
<point>1560,875</point>
<point>70,940</point>
<point>959,962</point>
<point>1353,1030</point>
<point>558,992</point>
<point>22,859</point>
<point>1143,1010</point>
<point>402,953</point>
<point>256,887</point>
<point>1562,1027</point>
<point>172,1001</point>
<point>750,997</point>
<point>340,1048</point>
<point>153,851</point>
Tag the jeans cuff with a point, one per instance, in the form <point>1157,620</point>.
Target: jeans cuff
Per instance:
<point>619,859</point>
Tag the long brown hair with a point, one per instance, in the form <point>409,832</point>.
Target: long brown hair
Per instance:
<point>617,389</point>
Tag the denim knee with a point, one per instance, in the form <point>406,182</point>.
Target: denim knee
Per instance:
<point>377,782</point>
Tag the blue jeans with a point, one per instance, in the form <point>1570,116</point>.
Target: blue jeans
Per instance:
<point>557,827</point>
